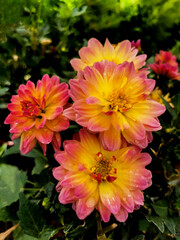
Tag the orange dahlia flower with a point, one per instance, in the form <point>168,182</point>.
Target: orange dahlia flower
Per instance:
<point>93,178</point>
<point>96,52</point>
<point>37,113</point>
<point>113,100</point>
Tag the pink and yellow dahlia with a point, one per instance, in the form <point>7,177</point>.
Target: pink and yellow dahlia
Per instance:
<point>93,178</point>
<point>113,100</point>
<point>37,113</point>
<point>96,52</point>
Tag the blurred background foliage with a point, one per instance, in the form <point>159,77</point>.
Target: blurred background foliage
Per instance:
<point>42,36</point>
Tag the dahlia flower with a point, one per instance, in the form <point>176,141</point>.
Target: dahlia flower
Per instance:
<point>93,178</point>
<point>165,64</point>
<point>113,100</point>
<point>96,52</point>
<point>37,113</point>
<point>166,57</point>
<point>166,70</point>
<point>136,44</point>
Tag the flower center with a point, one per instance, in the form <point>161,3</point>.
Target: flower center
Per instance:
<point>34,108</point>
<point>30,109</point>
<point>118,102</point>
<point>102,170</point>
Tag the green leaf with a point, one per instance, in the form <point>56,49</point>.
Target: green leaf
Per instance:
<point>177,223</point>
<point>49,187</point>
<point>161,208</point>
<point>3,91</point>
<point>31,218</point>
<point>12,150</point>
<point>40,164</point>
<point>6,214</point>
<point>177,190</point>
<point>176,102</point>
<point>12,180</point>
<point>77,231</point>
<point>35,153</point>
<point>157,221</point>
<point>76,12</point>
<point>139,237</point>
<point>3,105</point>
<point>177,204</point>
<point>18,234</point>
<point>169,108</point>
<point>170,224</point>
<point>143,225</point>
<point>150,60</point>
<point>3,148</point>
<point>48,232</point>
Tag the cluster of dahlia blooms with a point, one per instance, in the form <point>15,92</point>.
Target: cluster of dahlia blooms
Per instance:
<point>102,167</point>
<point>165,64</point>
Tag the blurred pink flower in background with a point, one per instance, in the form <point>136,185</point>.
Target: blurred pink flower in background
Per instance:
<point>166,70</point>
<point>166,57</point>
<point>136,44</point>
<point>165,64</point>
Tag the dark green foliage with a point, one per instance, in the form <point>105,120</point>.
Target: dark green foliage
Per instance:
<point>12,181</point>
<point>31,218</point>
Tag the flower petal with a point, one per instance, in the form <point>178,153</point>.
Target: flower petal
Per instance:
<point>56,141</point>
<point>53,111</point>
<point>27,143</point>
<point>122,215</point>
<point>59,173</point>
<point>82,210</point>
<point>136,131</point>
<point>109,197</point>
<point>86,188</point>
<point>104,212</point>
<point>99,123</point>
<point>58,124</point>
<point>67,195</point>
<point>77,64</point>
<point>44,147</point>
<point>40,121</point>
<point>111,139</point>
<point>89,141</point>
<point>44,135</point>
<point>75,91</point>
<point>70,113</point>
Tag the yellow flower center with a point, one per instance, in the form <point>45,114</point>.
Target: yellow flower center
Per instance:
<point>102,170</point>
<point>118,102</point>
